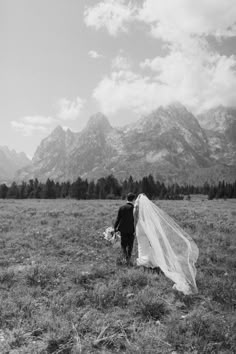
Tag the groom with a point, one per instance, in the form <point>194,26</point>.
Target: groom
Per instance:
<point>125,224</point>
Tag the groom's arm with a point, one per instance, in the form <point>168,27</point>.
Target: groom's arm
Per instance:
<point>117,220</point>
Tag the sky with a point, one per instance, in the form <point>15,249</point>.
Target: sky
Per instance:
<point>63,60</point>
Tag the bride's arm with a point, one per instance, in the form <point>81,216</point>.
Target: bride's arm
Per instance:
<point>135,214</point>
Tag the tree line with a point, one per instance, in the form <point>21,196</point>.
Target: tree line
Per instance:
<point>110,188</point>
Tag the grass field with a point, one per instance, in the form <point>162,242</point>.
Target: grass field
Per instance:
<point>61,290</point>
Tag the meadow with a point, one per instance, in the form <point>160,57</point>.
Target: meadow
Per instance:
<point>64,290</point>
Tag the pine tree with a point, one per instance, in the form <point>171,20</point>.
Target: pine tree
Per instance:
<point>58,190</point>
<point>79,189</point>
<point>100,188</point>
<point>145,186</point>
<point>151,186</point>
<point>48,190</point>
<point>23,190</point>
<point>130,185</point>
<point>3,191</point>
<point>212,193</point>
<point>30,189</point>
<point>124,189</point>
<point>65,188</point>
<point>163,192</point>
<point>91,190</point>
<point>13,191</point>
<point>158,188</point>
<point>206,188</point>
<point>112,187</point>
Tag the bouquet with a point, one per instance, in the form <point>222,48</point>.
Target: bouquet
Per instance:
<point>112,236</point>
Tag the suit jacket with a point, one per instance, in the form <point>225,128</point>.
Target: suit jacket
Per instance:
<point>125,219</point>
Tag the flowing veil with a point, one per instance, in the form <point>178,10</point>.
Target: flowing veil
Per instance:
<point>171,248</point>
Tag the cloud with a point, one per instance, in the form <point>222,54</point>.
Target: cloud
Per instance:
<point>192,72</point>
<point>28,129</point>
<point>29,125</point>
<point>128,90</point>
<point>200,82</point>
<point>66,111</point>
<point>114,15</point>
<point>174,20</point>
<point>121,62</point>
<point>69,110</point>
<point>94,55</point>
<point>38,120</point>
<point>166,19</point>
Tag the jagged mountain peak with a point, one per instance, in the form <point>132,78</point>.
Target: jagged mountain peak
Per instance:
<point>174,115</point>
<point>12,153</point>
<point>222,109</point>
<point>218,119</point>
<point>69,133</point>
<point>168,143</point>
<point>220,126</point>
<point>230,110</point>
<point>58,131</point>
<point>5,148</point>
<point>10,162</point>
<point>176,105</point>
<point>98,120</point>
<point>8,151</point>
<point>174,109</point>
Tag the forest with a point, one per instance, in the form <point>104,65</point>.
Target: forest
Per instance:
<point>110,188</point>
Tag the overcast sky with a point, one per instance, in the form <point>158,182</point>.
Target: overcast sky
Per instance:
<point>63,60</point>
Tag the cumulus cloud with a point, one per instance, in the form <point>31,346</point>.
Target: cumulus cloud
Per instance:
<point>69,110</point>
<point>192,72</point>
<point>26,128</point>
<point>125,89</point>
<point>173,20</point>
<point>198,83</point>
<point>114,15</point>
<point>94,55</point>
<point>201,77</point>
<point>167,19</point>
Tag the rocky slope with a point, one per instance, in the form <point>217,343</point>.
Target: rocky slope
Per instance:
<point>170,143</point>
<point>220,126</point>
<point>10,162</point>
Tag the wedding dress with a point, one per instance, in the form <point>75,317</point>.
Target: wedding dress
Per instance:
<point>162,243</point>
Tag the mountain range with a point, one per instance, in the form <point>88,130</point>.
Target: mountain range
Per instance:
<point>10,162</point>
<point>170,143</point>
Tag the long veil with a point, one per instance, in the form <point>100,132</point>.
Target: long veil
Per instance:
<point>173,250</point>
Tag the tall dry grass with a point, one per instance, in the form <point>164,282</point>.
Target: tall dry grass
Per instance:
<point>61,290</point>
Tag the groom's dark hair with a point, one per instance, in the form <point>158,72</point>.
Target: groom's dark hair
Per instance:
<point>130,197</point>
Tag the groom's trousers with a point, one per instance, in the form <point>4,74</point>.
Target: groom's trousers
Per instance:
<point>127,241</point>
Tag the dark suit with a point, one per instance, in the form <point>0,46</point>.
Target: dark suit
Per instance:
<point>125,224</point>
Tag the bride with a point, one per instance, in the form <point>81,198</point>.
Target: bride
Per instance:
<point>162,243</point>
